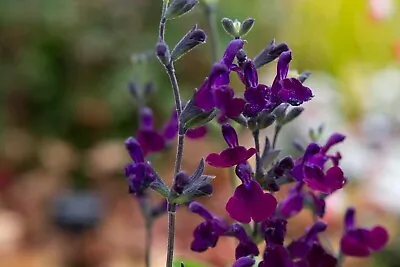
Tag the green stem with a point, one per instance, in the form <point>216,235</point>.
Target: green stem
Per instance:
<point>256,137</point>
<point>149,237</point>
<point>340,259</point>
<point>212,25</point>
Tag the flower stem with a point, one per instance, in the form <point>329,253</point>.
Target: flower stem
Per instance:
<point>259,171</point>
<point>212,25</point>
<point>277,131</point>
<point>149,237</point>
<point>181,137</point>
<point>340,259</point>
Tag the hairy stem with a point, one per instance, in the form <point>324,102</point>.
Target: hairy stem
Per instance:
<point>212,25</point>
<point>181,137</point>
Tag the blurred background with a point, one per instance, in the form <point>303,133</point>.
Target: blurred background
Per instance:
<point>66,110</point>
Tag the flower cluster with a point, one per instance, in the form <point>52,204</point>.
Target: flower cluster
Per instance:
<point>258,220</point>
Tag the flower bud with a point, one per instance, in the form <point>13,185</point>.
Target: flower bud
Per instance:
<point>228,26</point>
<point>247,25</point>
<point>270,53</point>
<point>293,114</point>
<point>179,7</point>
<point>192,39</point>
<point>162,52</point>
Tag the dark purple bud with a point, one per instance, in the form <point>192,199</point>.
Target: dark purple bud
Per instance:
<point>349,219</point>
<point>192,39</point>
<point>286,163</point>
<point>149,88</point>
<point>162,53</point>
<point>179,7</point>
<point>270,53</point>
<point>246,26</point>
<point>230,135</point>
<point>250,74</point>
<point>134,149</point>
<point>181,180</point>
<point>146,118</point>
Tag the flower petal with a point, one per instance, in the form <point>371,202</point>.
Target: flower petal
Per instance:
<point>238,210</point>
<point>197,132</point>
<point>134,149</point>
<point>230,135</point>
<point>378,238</point>
<point>230,53</point>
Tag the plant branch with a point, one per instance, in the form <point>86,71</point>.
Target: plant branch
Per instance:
<point>212,25</point>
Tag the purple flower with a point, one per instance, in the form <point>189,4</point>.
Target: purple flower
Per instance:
<point>230,107</point>
<point>288,90</point>
<point>276,256</point>
<point>310,168</point>
<point>327,183</point>
<point>249,201</point>
<point>139,173</point>
<point>208,232</point>
<point>360,242</point>
<point>293,203</point>
<point>309,249</point>
<point>149,139</point>
<point>170,129</point>
<point>205,97</point>
<point>246,246</point>
<point>261,97</point>
<point>244,262</point>
<point>274,231</point>
<point>234,154</point>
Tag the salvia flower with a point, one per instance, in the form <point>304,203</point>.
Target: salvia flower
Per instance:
<point>205,97</point>
<point>360,242</point>
<point>207,233</point>
<point>246,246</point>
<point>149,138</point>
<point>288,90</point>
<point>139,173</point>
<point>274,230</point>
<point>308,248</point>
<point>244,262</point>
<point>276,256</point>
<point>234,154</point>
<point>310,168</point>
<point>249,200</point>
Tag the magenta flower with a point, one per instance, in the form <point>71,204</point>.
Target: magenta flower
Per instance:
<point>234,154</point>
<point>149,139</point>
<point>277,256</point>
<point>230,107</point>
<point>139,173</point>
<point>207,233</point>
<point>360,242</point>
<point>327,183</point>
<point>249,200</point>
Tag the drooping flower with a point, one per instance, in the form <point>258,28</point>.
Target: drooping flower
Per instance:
<point>249,200</point>
<point>149,138</point>
<point>360,242</point>
<point>207,233</point>
<point>230,107</point>
<point>139,173</point>
<point>234,154</point>
<point>246,246</point>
